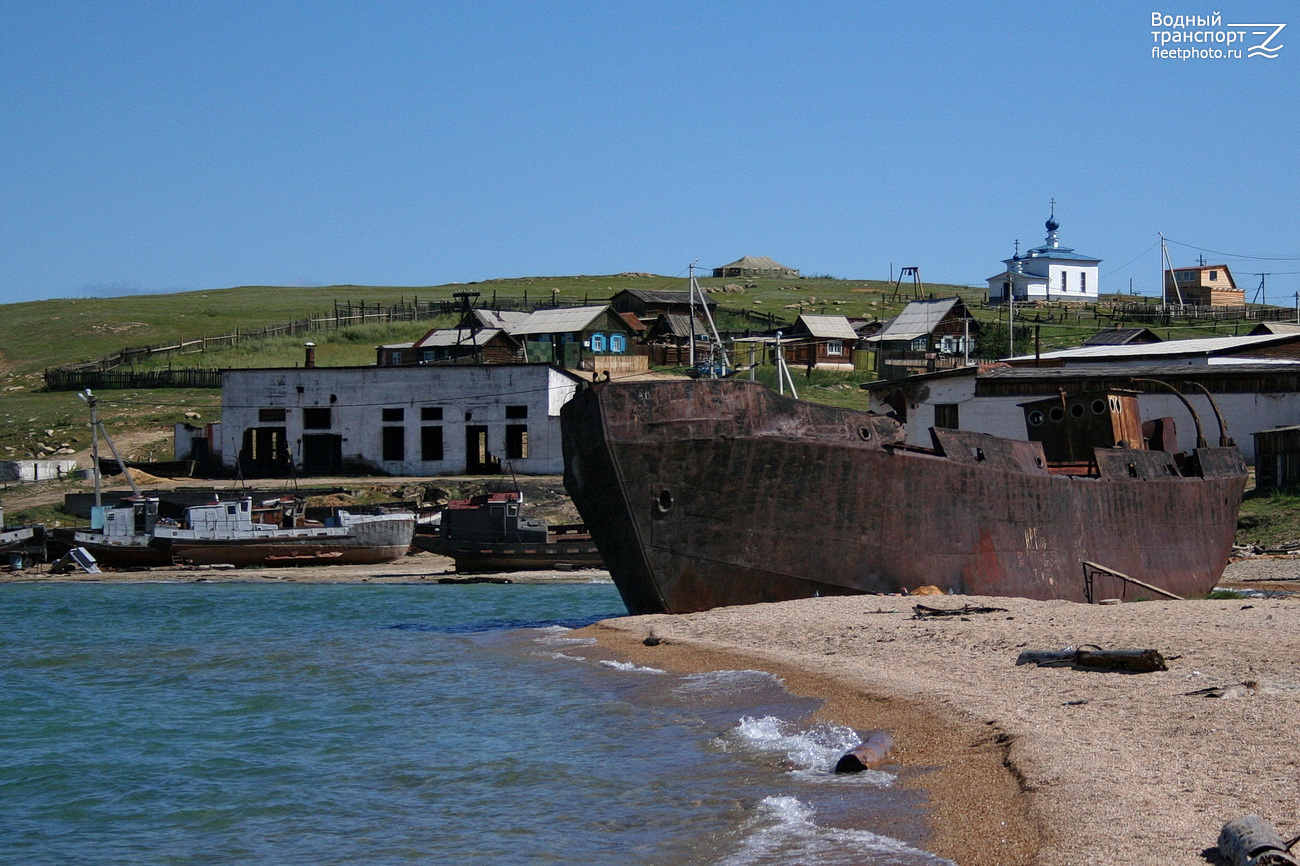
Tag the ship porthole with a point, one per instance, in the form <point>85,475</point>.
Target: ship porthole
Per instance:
<point>1099,406</point>
<point>1035,418</point>
<point>664,502</point>
<point>864,433</point>
<point>1077,410</point>
<point>1056,413</point>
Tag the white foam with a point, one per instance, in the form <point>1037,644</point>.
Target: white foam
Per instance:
<point>810,752</point>
<point>628,666</point>
<point>783,831</point>
<point>726,682</point>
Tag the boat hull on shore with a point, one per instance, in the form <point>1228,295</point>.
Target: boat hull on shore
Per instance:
<point>477,557</point>
<point>710,493</point>
<point>361,540</point>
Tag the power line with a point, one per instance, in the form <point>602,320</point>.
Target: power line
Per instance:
<point>1236,255</point>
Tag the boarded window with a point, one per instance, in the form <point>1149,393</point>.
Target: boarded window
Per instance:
<point>517,441</point>
<point>431,413</point>
<point>516,411</point>
<point>430,443</point>
<point>270,416</point>
<point>394,415</point>
<point>945,416</point>
<point>394,443</point>
<point>317,418</point>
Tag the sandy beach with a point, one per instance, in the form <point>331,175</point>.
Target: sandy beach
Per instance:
<point>1034,765</point>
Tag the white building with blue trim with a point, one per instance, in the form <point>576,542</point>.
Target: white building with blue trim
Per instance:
<point>1048,273</point>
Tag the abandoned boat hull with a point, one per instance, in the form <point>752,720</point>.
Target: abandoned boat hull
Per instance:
<point>476,557</point>
<point>362,541</point>
<point>711,493</point>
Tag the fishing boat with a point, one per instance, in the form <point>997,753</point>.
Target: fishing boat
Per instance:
<point>17,537</point>
<point>488,533</point>
<point>274,532</point>
<point>720,492</point>
<point>119,535</point>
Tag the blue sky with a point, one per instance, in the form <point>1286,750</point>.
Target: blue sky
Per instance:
<point>163,146</point>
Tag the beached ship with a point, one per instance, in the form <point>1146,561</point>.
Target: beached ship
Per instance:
<point>709,493</point>
<point>488,533</point>
<point>14,538</point>
<point>120,535</point>
<point>274,533</point>
<point>238,532</point>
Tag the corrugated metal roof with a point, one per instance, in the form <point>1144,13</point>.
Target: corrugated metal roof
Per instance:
<point>503,319</point>
<point>829,327</point>
<point>657,296</point>
<point>1199,346</point>
<point>918,319</point>
<point>561,320</point>
<point>457,337</point>
<point>1119,337</point>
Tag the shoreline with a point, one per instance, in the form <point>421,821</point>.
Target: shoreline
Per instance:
<point>1029,765</point>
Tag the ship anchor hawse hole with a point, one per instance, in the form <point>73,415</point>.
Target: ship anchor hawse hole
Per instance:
<point>663,503</point>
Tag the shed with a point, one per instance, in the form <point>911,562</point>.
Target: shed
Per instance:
<point>1277,458</point>
<point>581,338</point>
<point>756,266</point>
<point>648,303</point>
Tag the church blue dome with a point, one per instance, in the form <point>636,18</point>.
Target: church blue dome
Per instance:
<point>1052,224</point>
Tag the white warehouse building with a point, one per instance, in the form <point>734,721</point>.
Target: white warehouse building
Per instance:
<point>418,420</point>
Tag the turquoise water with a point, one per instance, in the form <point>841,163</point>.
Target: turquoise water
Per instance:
<point>229,723</point>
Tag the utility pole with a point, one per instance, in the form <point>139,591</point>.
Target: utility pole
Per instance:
<point>94,441</point>
<point>1260,291</point>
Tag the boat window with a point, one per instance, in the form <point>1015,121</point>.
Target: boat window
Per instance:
<point>1099,406</point>
<point>864,433</point>
<point>1056,414</point>
<point>512,510</point>
<point>1035,418</point>
<point>1077,410</point>
<point>232,509</point>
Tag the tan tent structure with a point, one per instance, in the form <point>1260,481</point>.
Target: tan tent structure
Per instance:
<point>755,266</point>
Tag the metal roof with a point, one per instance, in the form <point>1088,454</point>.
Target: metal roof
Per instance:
<point>918,319</point>
<point>1119,337</point>
<point>503,319</point>
<point>829,327</point>
<point>458,337</point>
<point>753,263</point>
<point>561,320</point>
<point>1066,253</point>
<point>1199,346</point>
<point>657,296</point>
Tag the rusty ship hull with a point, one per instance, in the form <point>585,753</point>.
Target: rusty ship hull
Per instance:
<point>711,493</point>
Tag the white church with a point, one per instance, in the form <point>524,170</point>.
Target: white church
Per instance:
<point>1047,273</point>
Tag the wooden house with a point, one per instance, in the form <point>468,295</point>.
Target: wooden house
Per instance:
<point>647,304</point>
<point>929,334</point>
<point>580,338</point>
<point>441,345</point>
<point>1203,286</point>
<point>822,342</point>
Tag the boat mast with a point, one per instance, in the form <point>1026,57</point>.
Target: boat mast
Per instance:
<point>716,353</point>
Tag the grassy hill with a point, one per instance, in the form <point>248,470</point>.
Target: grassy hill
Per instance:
<point>44,334</point>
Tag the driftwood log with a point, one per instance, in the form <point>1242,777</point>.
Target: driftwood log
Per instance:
<point>1136,661</point>
<point>866,755</point>
<point>922,611</point>
<point>1252,841</point>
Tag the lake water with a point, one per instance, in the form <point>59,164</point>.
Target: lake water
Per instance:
<point>321,724</point>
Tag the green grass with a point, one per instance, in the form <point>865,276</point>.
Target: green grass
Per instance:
<point>1270,518</point>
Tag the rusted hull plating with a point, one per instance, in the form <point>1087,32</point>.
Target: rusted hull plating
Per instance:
<point>481,557</point>
<point>365,543</point>
<point>710,493</point>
